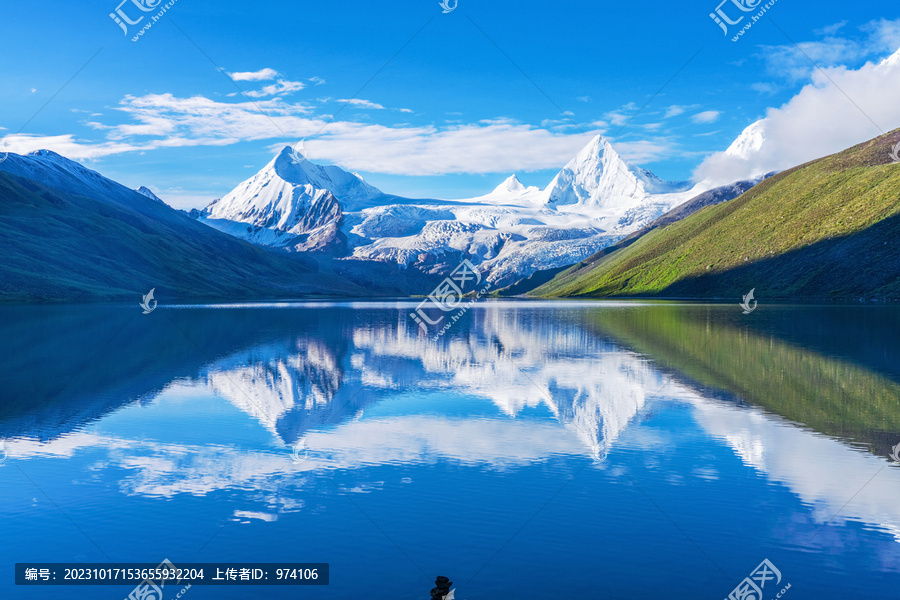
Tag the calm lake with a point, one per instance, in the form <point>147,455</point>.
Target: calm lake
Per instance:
<point>536,450</point>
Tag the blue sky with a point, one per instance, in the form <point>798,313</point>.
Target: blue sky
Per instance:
<point>443,105</point>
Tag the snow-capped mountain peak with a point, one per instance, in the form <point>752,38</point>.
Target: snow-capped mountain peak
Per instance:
<point>596,176</point>
<point>749,142</point>
<point>511,184</point>
<point>145,191</point>
<point>293,167</point>
<point>290,202</point>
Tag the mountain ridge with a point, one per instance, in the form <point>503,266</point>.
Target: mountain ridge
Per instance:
<point>77,236</point>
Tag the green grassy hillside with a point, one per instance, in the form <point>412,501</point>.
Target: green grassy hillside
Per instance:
<point>827,229</point>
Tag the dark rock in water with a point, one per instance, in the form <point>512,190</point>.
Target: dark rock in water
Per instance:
<point>442,587</point>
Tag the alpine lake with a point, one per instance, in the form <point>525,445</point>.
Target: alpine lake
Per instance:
<point>535,450</point>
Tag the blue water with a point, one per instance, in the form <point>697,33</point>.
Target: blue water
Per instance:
<point>551,450</point>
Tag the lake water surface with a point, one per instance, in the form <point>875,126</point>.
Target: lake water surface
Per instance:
<point>537,450</point>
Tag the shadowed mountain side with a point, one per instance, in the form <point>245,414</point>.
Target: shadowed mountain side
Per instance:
<point>826,229</point>
<point>830,395</point>
<point>61,246</point>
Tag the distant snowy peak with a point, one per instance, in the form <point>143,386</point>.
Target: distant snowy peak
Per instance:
<point>599,178</point>
<point>512,184</point>
<point>749,142</point>
<point>145,191</point>
<point>890,61</point>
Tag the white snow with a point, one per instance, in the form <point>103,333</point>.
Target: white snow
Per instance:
<point>145,191</point>
<point>749,142</point>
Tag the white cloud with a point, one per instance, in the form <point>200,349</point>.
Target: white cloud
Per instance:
<point>166,121</point>
<point>261,75</point>
<point>674,111</point>
<point>645,151</point>
<point>66,145</point>
<point>621,116</point>
<point>498,147</point>
<point>834,112</point>
<point>616,119</point>
<point>764,88</point>
<point>583,98</point>
<point>830,29</point>
<point>316,80</point>
<point>359,102</point>
<point>560,124</point>
<point>707,116</point>
<point>278,88</point>
<point>795,62</point>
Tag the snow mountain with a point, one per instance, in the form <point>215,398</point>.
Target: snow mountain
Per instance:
<point>511,232</point>
<point>749,142</point>
<point>289,201</point>
<point>598,178</point>
<point>145,191</point>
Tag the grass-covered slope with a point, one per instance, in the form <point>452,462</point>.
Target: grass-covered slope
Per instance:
<point>827,229</point>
